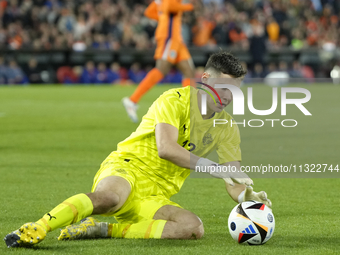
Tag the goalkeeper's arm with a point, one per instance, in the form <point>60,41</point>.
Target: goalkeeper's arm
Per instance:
<point>168,148</point>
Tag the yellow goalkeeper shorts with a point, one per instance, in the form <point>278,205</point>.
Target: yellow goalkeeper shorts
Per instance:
<point>146,196</point>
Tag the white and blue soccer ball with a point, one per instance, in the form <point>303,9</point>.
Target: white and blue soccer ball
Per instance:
<point>251,223</point>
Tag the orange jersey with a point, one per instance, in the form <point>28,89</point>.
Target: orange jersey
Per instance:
<point>169,15</point>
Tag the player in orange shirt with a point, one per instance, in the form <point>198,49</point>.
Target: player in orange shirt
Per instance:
<point>170,50</point>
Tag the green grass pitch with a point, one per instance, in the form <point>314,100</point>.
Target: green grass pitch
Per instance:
<point>53,139</point>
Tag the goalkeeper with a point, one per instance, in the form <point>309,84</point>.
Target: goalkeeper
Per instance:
<point>135,183</point>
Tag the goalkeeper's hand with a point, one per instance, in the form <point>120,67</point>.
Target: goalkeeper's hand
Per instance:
<point>250,194</point>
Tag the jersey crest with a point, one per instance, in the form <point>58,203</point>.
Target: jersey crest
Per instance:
<point>207,138</point>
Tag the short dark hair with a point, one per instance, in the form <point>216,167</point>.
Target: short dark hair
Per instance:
<point>224,62</point>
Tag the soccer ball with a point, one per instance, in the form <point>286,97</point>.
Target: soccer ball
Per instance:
<point>251,223</point>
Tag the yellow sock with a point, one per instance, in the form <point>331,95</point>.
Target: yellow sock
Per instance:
<point>143,230</point>
<point>68,212</point>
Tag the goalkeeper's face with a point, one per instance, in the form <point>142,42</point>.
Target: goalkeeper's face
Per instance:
<point>225,94</point>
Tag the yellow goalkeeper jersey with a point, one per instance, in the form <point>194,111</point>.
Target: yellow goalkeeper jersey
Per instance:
<point>178,107</point>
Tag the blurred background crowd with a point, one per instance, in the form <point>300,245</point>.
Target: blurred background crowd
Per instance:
<point>255,26</point>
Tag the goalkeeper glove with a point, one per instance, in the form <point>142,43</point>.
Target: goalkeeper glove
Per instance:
<point>248,194</point>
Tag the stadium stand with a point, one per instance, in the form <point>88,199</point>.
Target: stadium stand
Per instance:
<point>70,33</point>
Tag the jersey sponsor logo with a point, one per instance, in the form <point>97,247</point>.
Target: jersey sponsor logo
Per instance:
<point>179,94</point>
